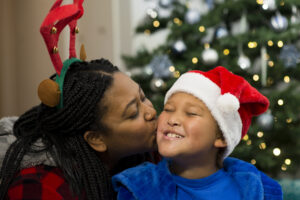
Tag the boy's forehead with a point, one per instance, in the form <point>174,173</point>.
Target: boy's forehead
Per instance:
<point>188,100</point>
<point>180,95</point>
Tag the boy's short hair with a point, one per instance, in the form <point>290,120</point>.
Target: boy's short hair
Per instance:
<point>231,100</point>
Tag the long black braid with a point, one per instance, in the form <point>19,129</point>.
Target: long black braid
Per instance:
<point>61,131</point>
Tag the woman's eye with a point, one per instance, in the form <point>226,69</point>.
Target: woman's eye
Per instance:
<point>143,98</point>
<point>134,115</point>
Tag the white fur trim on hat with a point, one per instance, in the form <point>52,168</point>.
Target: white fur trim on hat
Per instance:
<point>228,103</point>
<point>224,108</point>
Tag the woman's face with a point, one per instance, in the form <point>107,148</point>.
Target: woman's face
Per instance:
<point>130,119</point>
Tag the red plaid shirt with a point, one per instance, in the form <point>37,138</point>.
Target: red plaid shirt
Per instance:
<point>46,183</point>
<point>40,182</point>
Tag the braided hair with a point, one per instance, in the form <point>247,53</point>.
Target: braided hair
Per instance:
<point>61,131</point>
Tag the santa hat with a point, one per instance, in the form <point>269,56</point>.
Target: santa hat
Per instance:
<point>230,98</point>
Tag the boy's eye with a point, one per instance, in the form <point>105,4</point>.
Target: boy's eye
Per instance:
<point>168,109</point>
<point>192,114</point>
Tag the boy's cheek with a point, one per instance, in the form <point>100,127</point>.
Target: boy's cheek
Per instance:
<point>162,119</point>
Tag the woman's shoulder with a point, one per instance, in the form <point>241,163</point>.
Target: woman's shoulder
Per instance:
<point>39,182</point>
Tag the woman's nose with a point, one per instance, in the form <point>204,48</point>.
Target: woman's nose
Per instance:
<point>150,113</point>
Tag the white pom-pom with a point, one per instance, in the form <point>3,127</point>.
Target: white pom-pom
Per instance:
<point>228,103</point>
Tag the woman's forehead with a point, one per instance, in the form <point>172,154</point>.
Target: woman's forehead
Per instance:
<point>123,84</point>
<point>122,90</point>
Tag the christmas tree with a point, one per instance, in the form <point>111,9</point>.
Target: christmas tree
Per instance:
<point>258,40</point>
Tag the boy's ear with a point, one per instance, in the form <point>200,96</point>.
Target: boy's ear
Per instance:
<point>220,143</point>
<point>95,141</point>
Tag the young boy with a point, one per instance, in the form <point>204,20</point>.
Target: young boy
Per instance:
<point>205,116</point>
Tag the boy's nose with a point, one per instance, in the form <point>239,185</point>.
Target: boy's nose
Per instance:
<point>173,122</point>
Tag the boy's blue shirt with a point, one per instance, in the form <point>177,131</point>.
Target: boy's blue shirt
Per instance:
<point>150,181</point>
<point>212,187</point>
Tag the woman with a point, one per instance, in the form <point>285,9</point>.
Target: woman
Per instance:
<point>105,119</point>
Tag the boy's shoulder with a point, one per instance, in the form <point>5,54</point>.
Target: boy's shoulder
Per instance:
<point>143,181</point>
<point>250,179</point>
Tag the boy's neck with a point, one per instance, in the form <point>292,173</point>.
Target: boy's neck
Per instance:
<point>194,170</point>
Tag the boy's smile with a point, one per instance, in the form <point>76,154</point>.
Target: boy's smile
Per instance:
<point>171,135</point>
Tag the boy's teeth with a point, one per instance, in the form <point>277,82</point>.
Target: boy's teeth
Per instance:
<point>173,135</point>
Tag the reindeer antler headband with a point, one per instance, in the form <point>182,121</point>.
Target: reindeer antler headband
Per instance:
<point>58,18</point>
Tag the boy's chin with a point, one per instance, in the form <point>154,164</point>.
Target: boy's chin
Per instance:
<point>167,153</point>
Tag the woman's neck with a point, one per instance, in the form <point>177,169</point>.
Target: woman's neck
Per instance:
<point>116,164</point>
<point>109,161</point>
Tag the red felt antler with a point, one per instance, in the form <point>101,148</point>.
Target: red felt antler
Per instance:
<point>56,20</point>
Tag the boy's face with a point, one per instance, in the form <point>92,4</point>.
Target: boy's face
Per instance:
<point>186,129</point>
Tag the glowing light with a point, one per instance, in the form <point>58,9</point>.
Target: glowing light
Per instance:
<point>262,145</point>
<point>249,142</point>
<point>253,161</point>
<point>289,120</point>
<point>271,63</point>
<point>270,43</point>
<point>255,44</point>
<point>260,134</point>
<point>287,161</point>
<point>172,69</point>
<point>280,44</point>
<point>176,74</point>
<point>280,102</point>
<point>252,45</point>
<point>226,52</point>
<point>265,6</point>
<point>194,60</point>
<point>158,84</point>
<point>283,167</point>
<point>246,137</point>
<point>177,21</point>
<point>156,23</point>
<point>276,151</point>
<point>286,79</point>
<point>260,2</point>
<point>206,45</point>
<point>255,77</point>
<point>152,13</point>
<point>201,29</point>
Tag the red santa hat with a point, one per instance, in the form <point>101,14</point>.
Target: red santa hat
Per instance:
<point>230,98</point>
